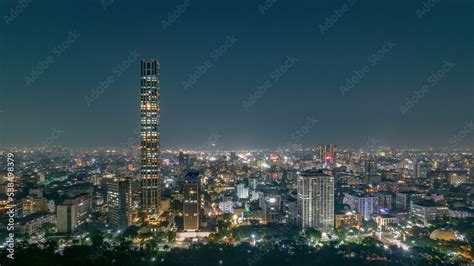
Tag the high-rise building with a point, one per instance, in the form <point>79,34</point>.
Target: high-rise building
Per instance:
<point>270,204</point>
<point>292,211</point>
<point>370,167</point>
<point>150,135</point>
<point>315,200</point>
<point>384,201</point>
<point>364,204</point>
<point>242,191</point>
<point>417,170</point>
<point>119,198</point>
<point>326,153</point>
<point>439,180</point>
<point>30,205</point>
<point>253,183</point>
<point>191,201</point>
<point>184,163</point>
<point>403,199</point>
<point>73,212</point>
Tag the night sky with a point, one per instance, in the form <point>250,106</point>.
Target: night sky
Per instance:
<point>388,48</point>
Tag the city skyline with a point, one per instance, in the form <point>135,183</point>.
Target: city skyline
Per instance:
<point>237,133</point>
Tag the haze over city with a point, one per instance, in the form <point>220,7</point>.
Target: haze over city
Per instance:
<point>255,40</point>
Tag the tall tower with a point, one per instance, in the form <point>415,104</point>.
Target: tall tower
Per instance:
<point>150,135</point>
<point>315,205</point>
<point>191,203</point>
<point>119,198</point>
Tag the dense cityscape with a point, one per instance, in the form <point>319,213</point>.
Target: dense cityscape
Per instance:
<point>139,205</point>
<point>377,205</point>
<point>236,133</point>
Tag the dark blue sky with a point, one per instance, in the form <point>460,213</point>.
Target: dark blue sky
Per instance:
<point>55,99</point>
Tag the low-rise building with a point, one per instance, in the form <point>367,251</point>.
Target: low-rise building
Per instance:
<point>30,205</point>
<point>384,220</point>
<point>32,223</point>
<point>461,213</point>
<point>349,219</point>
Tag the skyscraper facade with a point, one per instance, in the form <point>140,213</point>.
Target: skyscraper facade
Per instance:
<point>364,204</point>
<point>150,135</point>
<point>119,198</point>
<point>191,201</point>
<point>370,167</point>
<point>315,201</point>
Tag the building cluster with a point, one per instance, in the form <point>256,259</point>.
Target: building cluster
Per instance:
<point>190,192</point>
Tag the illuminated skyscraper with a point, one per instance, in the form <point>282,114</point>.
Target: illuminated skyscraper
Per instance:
<point>315,204</point>
<point>191,201</point>
<point>326,153</point>
<point>119,198</point>
<point>150,135</point>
